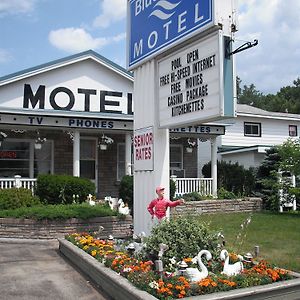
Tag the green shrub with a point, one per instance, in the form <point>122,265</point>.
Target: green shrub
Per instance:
<point>224,194</point>
<point>172,189</point>
<point>126,191</point>
<point>59,211</point>
<point>233,177</point>
<point>15,198</point>
<point>59,189</point>
<point>185,236</point>
<point>194,196</point>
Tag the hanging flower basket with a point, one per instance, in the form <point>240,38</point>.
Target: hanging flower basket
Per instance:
<point>104,142</point>
<point>39,143</point>
<point>190,145</point>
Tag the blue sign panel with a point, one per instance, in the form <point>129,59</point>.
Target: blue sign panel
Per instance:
<point>156,24</point>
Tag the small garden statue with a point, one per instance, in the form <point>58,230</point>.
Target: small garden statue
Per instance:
<point>231,269</point>
<point>194,274</point>
<point>123,208</point>
<point>158,207</point>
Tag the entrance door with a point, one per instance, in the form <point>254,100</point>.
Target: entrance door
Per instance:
<point>88,159</point>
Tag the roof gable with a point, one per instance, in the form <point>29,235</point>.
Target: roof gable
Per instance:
<point>251,111</point>
<point>90,54</point>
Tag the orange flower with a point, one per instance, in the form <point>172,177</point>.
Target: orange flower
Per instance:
<point>206,282</point>
<point>228,282</point>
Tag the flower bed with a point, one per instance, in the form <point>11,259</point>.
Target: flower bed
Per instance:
<point>141,273</point>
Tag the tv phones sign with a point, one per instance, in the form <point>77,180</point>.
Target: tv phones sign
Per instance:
<point>157,24</point>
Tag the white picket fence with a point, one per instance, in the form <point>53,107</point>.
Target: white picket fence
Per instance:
<point>188,185</point>
<point>18,182</point>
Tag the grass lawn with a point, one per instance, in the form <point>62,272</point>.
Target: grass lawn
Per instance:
<point>277,235</point>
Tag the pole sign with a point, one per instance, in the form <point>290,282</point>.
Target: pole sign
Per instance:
<point>156,25</point>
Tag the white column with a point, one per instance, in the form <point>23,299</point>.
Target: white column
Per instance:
<point>128,162</point>
<point>214,175</point>
<point>146,114</point>
<point>76,154</point>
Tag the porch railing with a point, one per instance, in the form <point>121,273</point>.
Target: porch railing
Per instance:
<point>188,185</point>
<point>183,185</point>
<point>18,182</point>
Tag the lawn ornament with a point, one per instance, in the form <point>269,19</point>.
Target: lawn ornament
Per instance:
<point>112,202</point>
<point>194,274</point>
<point>231,269</point>
<point>123,208</point>
<point>90,200</point>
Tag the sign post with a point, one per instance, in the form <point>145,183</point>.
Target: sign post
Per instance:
<point>177,82</point>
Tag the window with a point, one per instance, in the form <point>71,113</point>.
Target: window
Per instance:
<point>121,161</point>
<point>15,159</point>
<point>176,159</point>
<point>252,129</point>
<point>88,158</point>
<point>19,157</point>
<point>293,130</point>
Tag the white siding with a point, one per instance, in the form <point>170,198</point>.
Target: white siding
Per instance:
<point>87,74</point>
<point>273,132</point>
<point>246,159</point>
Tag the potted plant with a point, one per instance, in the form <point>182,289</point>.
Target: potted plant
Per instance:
<point>104,142</point>
<point>191,144</point>
<point>39,143</point>
<point>3,136</point>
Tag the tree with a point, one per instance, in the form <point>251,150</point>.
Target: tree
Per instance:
<point>267,184</point>
<point>289,152</point>
<point>249,95</point>
<point>286,100</point>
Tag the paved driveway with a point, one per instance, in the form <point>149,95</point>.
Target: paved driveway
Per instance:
<point>34,269</point>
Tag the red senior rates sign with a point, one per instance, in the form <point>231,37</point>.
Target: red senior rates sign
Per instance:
<point>143,149</point>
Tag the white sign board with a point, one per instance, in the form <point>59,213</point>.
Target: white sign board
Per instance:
<point>143,149</point>
<point>190,84</point>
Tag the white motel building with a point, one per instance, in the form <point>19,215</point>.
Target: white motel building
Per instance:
<point>75,116</point>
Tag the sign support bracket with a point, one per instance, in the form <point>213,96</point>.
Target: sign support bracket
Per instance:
<point>243,47</point>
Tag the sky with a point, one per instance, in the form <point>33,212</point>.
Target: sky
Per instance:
<point>33,32</point>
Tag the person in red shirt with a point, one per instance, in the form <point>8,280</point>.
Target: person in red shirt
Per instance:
<point>158,207</point>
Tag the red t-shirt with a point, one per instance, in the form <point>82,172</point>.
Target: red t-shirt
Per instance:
<point>158,207</point>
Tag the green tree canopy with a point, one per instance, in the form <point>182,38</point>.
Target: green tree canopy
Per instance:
<point>286,100</point>
<point>289,152</point>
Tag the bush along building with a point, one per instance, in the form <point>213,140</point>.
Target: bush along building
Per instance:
<point>74,116</point>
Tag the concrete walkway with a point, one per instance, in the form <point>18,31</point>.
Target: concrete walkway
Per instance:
<point>34,269</point>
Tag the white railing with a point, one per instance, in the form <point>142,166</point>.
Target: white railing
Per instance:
<point>18,182</point>
<point>188,185</point>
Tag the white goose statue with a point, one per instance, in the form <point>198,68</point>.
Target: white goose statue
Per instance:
<point>231,269</point>
<point>123,209</point>
<point>193,273</point>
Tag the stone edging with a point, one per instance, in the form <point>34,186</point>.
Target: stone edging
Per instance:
<point>217,206</point>
<point>53,229</point>
<point>119,287</point>
<point>113,284</point>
